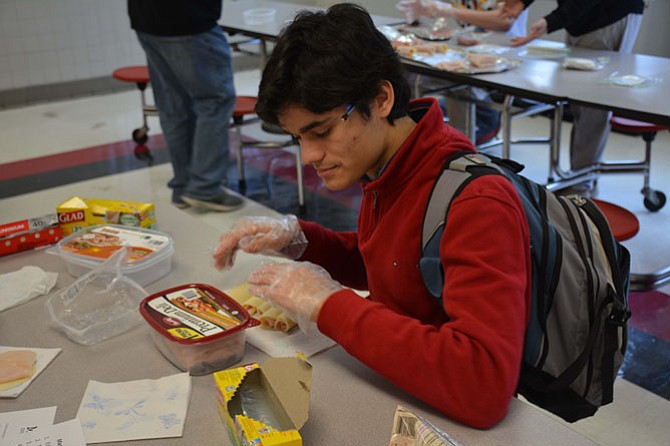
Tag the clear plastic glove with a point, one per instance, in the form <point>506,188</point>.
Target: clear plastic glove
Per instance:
<point>261,235</point>
<point>436,9</point>
<point>411,9</point>
<point>299,288</point>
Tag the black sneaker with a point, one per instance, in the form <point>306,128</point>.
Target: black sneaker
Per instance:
<point>180,203</point>
<point>223,202</point>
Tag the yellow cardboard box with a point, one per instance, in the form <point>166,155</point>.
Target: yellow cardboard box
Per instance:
<point>77,213</point>
<point>276,392</point>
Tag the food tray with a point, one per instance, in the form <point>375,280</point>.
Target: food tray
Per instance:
<point>437,60</point>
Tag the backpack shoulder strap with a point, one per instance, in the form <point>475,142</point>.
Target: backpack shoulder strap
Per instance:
<point>456,173</point>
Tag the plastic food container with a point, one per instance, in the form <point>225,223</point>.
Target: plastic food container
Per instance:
<point>197,327</point>
<point>98,305</point>
<point>259,16</point>
<point>150,251</point>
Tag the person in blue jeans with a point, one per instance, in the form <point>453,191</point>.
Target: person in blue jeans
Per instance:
<point>190,68</point>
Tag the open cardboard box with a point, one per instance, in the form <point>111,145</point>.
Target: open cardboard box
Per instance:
<point>265,405</point>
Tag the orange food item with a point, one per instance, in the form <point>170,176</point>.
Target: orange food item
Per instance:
<point>16,365</point>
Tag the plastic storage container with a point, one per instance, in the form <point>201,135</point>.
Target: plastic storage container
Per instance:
<point>197,327</point>
<point>98,305</point>
<point>149,260</point>
<point>259,16</point>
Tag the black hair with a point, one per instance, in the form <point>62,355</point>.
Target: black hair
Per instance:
<point>323,60</point>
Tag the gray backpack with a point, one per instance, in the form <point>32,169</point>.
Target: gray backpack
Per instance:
<point>576,336</point>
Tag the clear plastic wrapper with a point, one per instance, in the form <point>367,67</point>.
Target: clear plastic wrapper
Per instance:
<point>410,429</point>
<point>628,80</point>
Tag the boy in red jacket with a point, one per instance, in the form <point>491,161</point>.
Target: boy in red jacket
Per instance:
<point>334,81</point>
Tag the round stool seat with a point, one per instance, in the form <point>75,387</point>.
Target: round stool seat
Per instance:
<point>137,74</point>
<point>244,105</point>
<point>624,224</point>
<point>633,126</point>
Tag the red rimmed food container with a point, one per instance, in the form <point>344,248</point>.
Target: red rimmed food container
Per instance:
<point>197,327</point>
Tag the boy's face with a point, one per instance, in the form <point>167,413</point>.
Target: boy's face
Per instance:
<point>341,149</point>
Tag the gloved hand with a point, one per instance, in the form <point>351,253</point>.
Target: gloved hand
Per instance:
<point>436,9</point>
<point>411,9</point>
<point>299,288</point>
<point>261,235</point>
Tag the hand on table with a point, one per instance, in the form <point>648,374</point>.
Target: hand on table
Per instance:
<point>537,29</point>
<point>512,8</point>
<point>261,235</point>
<point>300,288</point>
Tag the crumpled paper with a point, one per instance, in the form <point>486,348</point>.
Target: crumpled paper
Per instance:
<point>27,283</point>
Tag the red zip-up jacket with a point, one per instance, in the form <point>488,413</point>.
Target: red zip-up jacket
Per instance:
<point>462,359</point>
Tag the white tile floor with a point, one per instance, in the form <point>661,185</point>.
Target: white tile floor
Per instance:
<point>636,417</point>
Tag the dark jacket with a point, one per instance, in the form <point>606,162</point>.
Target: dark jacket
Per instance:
<point>173,17</point>
<point>579,17</point>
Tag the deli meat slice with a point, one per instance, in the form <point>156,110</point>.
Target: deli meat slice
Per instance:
<point>16,364</point>
<point>482,60</point>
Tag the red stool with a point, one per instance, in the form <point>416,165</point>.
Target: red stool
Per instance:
<point>138,74</point>
<point>623,223</point>
<point>244,108</point>
<point>653,199</point>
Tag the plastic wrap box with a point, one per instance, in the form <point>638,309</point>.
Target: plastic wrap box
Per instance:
<point>28,234</point>
<point>276,392</point>
<point>78,213</point>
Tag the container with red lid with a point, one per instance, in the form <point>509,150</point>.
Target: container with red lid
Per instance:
<point>197,327</point>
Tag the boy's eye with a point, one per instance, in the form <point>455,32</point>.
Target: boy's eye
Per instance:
<point>322,134</point>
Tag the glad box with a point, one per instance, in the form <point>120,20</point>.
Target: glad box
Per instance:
<point>78,213</point>
<point>276,392</point>
<point>28,234</point>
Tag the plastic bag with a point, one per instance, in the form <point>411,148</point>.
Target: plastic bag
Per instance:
<point>628,80</point>
<point>99,305</point>
<point>410,429</point>
<point>585,64</point>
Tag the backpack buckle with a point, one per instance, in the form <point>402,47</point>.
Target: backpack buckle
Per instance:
<point>619,317</point>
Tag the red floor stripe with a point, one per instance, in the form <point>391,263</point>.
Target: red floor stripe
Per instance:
<point>48,163</point>
<point>651,313</point>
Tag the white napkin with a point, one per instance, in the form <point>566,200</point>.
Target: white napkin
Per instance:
<point>135,410</point>
<point>27,283</point>
<point>278,344</point>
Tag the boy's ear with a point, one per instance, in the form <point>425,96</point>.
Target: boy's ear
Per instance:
<point>385,99</point>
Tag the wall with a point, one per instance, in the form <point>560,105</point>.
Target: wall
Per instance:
<point>46,42</point>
